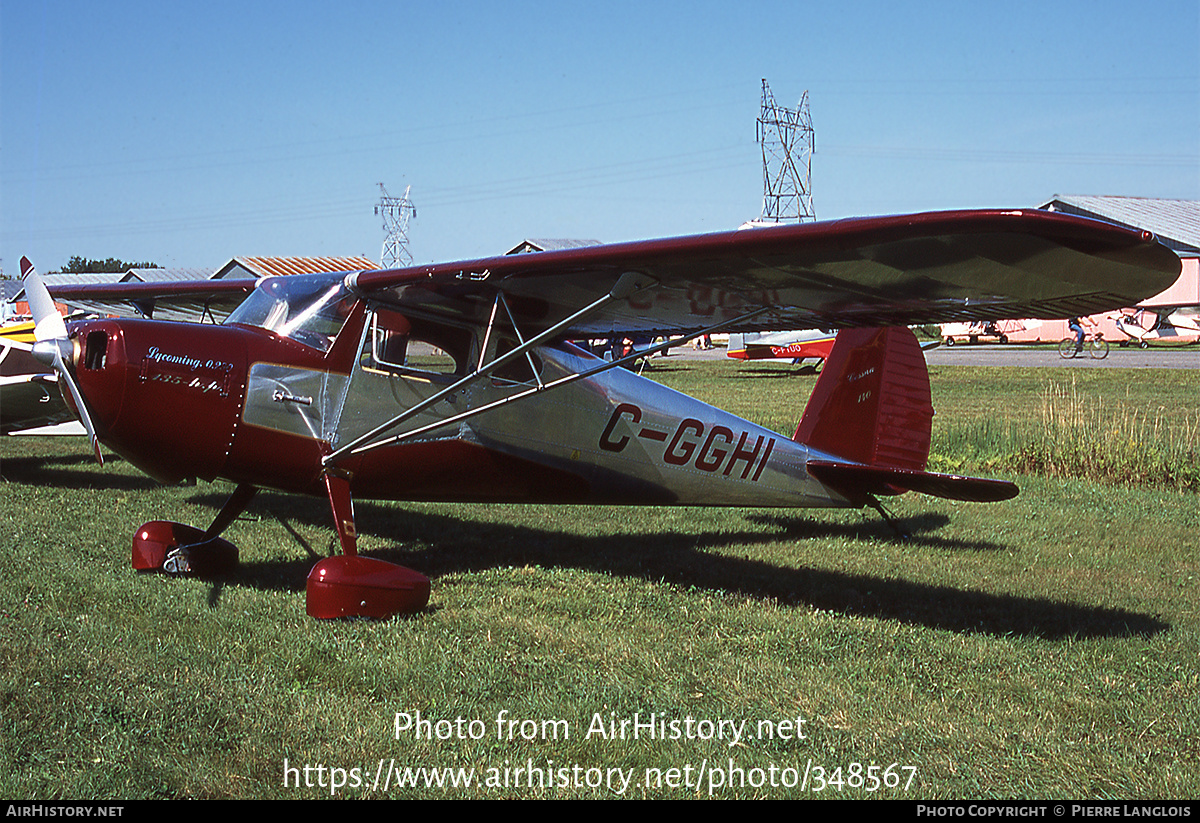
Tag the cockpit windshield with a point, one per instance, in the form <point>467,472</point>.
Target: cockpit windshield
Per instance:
<point>308,308</point>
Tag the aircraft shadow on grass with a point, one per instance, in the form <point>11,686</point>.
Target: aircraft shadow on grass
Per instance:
<point>72,471</point>
<point>456,544</point>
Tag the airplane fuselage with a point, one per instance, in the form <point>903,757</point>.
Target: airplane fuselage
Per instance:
<point>257,407</point>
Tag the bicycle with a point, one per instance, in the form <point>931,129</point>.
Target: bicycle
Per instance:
<point>1096,347</point>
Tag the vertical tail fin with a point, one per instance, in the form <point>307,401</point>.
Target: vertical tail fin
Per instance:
<point>871,413</point>
<point>871,404</point>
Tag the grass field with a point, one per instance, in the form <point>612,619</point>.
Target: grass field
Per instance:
<point>1045,647</point>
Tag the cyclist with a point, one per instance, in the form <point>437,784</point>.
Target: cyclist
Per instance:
<point>1076,324</point>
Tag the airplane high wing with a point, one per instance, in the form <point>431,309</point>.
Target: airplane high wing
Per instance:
<point>184,300</point>
<point>865,272</point>
<point>457,382</point>
<point>1162,325</point>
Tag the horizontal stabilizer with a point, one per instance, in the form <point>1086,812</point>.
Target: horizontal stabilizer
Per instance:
<point>856,483</point>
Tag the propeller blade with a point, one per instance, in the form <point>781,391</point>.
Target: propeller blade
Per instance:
<point>48,323</point>
<point>50,332</point>
<point>65,378</point>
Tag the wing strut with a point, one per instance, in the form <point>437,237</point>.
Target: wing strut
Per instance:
<point>626,285</point>
<point>512,322</point>
<point>562,381</point>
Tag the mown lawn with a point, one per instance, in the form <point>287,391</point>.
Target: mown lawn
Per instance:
<point>1045,647</point>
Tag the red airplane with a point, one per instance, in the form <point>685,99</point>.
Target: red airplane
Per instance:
<point>453,382</point>
<point>796,346</point>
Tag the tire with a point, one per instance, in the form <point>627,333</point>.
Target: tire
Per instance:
<point>1066,349</point>
<point>1098,349</point>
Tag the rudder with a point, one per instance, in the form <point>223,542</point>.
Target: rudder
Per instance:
<point>872,403</point>
<point>871,412</point>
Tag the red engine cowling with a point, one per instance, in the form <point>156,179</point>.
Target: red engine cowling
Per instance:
<point>166,396</point>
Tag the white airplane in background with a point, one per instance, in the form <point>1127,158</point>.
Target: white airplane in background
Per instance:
<point>1165,325</point>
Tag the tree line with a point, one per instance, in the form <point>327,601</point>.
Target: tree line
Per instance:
<point>82,265</point>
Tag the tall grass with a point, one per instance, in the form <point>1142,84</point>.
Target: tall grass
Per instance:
<point>1081,434</point>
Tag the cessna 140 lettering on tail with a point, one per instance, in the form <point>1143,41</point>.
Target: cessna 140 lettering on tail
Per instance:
<point>309,385</point>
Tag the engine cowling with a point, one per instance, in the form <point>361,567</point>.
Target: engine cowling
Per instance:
<point>165,396</point>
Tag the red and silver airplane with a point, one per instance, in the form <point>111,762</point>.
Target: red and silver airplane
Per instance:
<point>313,384</point>
<point>796,346</point>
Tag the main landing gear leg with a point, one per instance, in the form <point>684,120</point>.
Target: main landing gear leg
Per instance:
<point>351,586</point>
<point>180,549</point>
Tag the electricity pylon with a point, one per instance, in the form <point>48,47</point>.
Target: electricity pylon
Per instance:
<point>396,212</point>
<point>788,142</point>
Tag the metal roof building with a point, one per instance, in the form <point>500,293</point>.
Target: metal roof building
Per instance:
<point>1176,222</point>
<point>256,267</point>
<point>527,246</point>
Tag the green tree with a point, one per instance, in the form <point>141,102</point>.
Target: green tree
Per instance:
<point>82,265</point>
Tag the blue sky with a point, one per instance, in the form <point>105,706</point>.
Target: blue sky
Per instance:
<point>188,133</point>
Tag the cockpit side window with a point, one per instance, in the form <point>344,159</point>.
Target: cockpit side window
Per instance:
<point>388,340</point>
<point>416,348</point>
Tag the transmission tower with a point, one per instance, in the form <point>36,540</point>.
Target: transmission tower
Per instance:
<point>788,142</point>
<point>396,213</point>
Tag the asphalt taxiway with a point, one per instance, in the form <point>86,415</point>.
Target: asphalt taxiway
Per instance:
<point>1181,357</point>
<point>994,354</point>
